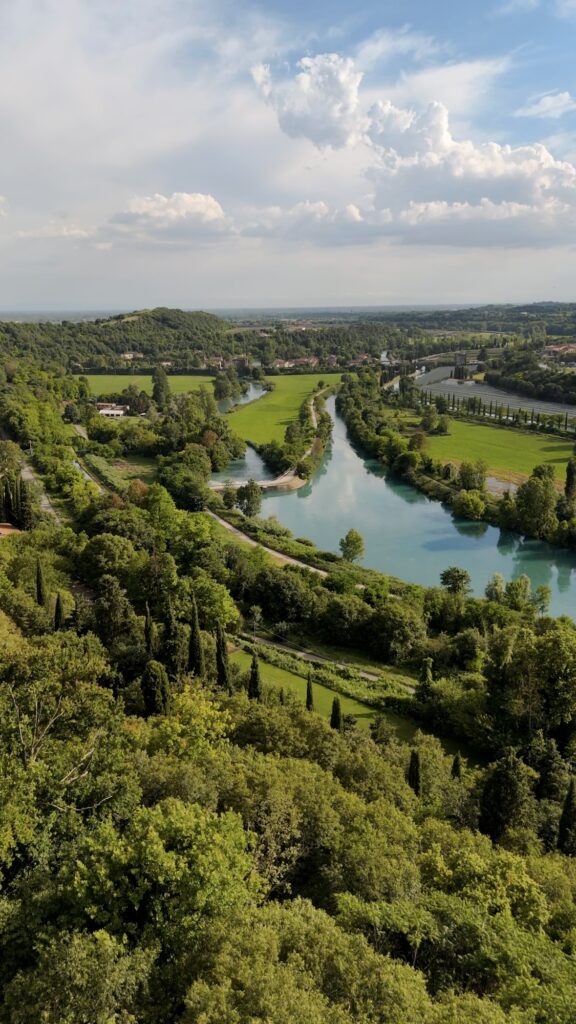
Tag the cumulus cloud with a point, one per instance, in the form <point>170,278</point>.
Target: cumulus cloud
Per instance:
<point>552,104</point>
<point>320,103</point>
<point>178,217</point>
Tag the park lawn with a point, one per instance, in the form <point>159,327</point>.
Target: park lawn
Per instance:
<point>137,467</point>
<point>510,454</point>
<point>266,418</point>
<point>111,383</point>
<point>281,678</point>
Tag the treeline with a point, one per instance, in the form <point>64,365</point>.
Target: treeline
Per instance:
<point>524,376</point>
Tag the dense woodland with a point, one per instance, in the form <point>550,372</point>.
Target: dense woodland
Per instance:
<point>182,842</point>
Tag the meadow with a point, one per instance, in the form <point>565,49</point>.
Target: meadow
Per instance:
<point>511,454</point>
<point>281,678</point>
<point>111,383</point>
<point>266,419</point>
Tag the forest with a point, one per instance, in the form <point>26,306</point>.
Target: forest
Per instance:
<point>183,843</point>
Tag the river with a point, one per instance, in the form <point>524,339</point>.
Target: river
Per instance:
<point>405,533</point>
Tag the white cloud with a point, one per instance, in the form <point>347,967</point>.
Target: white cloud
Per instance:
<point>320,103</point>
<point>518,7</point>
<point>566,8</point>
<point>463,86</point>
<point>384,44</point>
<point>180,216</point>
<point>552,104</point>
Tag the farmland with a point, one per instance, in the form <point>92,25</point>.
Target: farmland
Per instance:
<point>510,454</point>
<point>111,383</point>
<point>266,419</point>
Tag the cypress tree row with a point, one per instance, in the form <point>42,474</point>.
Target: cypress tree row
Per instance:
<point>222,662</point>
<point>196,662</point>
<point>413,774</point>
<point>41,594</point>
<point>567,826</point>
<point>58,612</point>
<point>254,681</point>
<point>155,689</point>
<point>309,693</point>
<point>336,715</point>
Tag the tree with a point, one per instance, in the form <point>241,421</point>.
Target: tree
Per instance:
<point>196,663</point>
<point>222,661</point>
<point>352,546</point>
<point>175,643</point>
<point>413,773</point>
<point>336,715</point>
<point>424,690</point>
<point>456,770</point>
<point>536,504</point>
<point>58,612</point>
<point>249,498</point>
<point>150,637</point>
<point>506,800</point>
<point>155,689</point>
<point>41,593</point>
<point>229,495</point>
<point>254,680</point>
<point>567,826</point>
<point>570,485</point>
<point>160,388</point>
<point>309,693</point>
<point>456,581</point>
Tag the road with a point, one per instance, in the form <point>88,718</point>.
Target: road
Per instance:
<point>475,389</point>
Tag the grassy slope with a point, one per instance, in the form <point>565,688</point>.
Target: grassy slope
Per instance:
<point>108,383</point>
<point>267,419</point>
<point>510,454</point>
<point>292,683</point>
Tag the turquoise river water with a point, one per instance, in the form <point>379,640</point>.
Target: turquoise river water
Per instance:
<point>405,533</point>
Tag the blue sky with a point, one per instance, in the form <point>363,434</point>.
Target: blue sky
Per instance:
<point>225,154</point>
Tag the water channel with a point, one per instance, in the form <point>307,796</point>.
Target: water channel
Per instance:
<point>405,533</point>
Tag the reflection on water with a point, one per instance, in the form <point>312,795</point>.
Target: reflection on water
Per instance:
<point>407,534</point>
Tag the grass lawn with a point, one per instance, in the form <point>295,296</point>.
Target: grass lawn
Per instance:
<point>137,467</point>
<point>110,383</point>
<point>511,454</point>
<point>296,684</point>
<point>267,418</point>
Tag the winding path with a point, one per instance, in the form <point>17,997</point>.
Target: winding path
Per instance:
<point>285,559</point>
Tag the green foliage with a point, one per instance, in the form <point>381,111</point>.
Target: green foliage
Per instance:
<point>352,546</point>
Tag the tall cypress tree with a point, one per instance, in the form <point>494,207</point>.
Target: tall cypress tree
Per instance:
<point>41,594</point>
<point>570,485</point>
<point>160,388</point>
<point>195,650</point>
<point>336,715</point>
<point>58,612</point>
<point>175,645</point>
<point>456,771</point>
<point>222,662</point>
<point>8,502</point>
<point>567,826</point>
<point>26,514</point>
<point>413,774</point>
<point>155,689</point>
<point>309,693</point>
<point>149,633</point>
<point>424,690</point>
<point>254,681</point>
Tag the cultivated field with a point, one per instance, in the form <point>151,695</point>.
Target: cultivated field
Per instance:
<point>497,396</point>
<point>511,454</point>
<point>110,383</point>
<point>267,418</point>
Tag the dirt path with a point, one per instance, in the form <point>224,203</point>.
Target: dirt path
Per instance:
<point>285,559</point>
<point>45,503</point>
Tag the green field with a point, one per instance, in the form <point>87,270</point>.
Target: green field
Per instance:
<point>292,683</point>
<point>110,383</point>
<point>137,467</point>
<point>511,454</point>
<point>267,418</point>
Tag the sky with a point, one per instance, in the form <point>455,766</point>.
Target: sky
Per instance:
<point>227,154</point>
